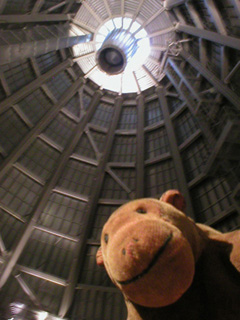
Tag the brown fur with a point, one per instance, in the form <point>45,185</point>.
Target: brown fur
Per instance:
<point>169,267</point>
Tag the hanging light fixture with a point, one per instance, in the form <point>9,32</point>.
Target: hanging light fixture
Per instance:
<point>116,51</point>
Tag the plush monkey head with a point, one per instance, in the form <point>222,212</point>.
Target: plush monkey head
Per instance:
<point>149,248</point>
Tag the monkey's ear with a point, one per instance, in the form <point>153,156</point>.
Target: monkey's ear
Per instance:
<point>175,198</point>
<point>99,257</point>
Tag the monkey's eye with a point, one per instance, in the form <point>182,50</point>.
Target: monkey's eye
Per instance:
<point>141,210</point>
<point>106,238</point>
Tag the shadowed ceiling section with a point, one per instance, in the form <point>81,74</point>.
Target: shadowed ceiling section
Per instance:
<point>71,152</point>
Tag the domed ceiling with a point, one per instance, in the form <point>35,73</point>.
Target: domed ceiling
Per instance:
<point>77,141</point>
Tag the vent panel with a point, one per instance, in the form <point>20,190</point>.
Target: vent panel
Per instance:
<point>77,177</point>
<point>19,193</point>
<point>159,178</point>
<point>63,214</point>
<point>12,130</point>
<point>49,254</point>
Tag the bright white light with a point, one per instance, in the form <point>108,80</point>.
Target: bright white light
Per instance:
<point>129,83</point>
<point>126,23</point>
<point>118,22</point>
<point>135,26</point>
<point>42,315</point>
<point>126,80</point>
<point>140,56</point>
<point>103,30</point>
<point>109,24</point>
<point>141,34</point>
<point>16,307</point>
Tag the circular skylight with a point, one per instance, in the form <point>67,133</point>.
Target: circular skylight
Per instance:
<point>129,64</point>
<point>124,81</point>
<point>132,30</point>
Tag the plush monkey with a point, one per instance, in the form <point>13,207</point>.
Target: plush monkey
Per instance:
<point>167,266</point>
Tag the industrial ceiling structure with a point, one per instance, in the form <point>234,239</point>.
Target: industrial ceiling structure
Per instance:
<point>102,102</point>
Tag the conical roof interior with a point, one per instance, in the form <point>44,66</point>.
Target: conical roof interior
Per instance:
<point>75,143</point>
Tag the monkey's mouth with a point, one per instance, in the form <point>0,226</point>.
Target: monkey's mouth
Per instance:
<point>152,263</point>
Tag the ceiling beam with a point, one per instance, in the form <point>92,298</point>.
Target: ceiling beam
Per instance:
<point>70,194</point>
<point>40,126</point>
<point>159,48</point>
<point>162,31</point>
<point>169,4</point>
<point>206,131</point>
<point>90,213</point>
<point>122,7</point>
<point>37,6</point>
<point>154,16</point>
<point>4,84</point>
<point>107,8</point>
<point>150,74</point>
<point>194,15</point>
<point>51,183</point>
<point>84,56</point>
<point>183,77</point>
<point>83,26</point>
<point>224,63</point>
<point>41,275</point>
<point>12,213</point>
<point>2,5</point>
<point>224,40</point>
<point>32,86</point>
<point>28,291</point>
<point>140,148</point>
<point>180,16</point>
<point>68,6</point>
<point>236,4</point>
<point>232,73</point>
<point>203,56</point>
<point>56,233</point>
<point>92,12</point>
<point>219,146</point>
<point>219,85</point>
<point>119,181</point>
<point>31,18</point>
<point>176,156</point>
<point>3,249</point>
<point>22,50</point>
<point>59,5</point>
<point>216,16</point>
<point>137,83</point>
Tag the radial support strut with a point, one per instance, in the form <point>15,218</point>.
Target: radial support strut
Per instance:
<point>224,40</point>
<point>217,83</point>
<point>32,86</point>
<point>89,215</point>
<point>140,148</point>
<point>174,150</point>
<point>77,133</point>
<point>32,47</point>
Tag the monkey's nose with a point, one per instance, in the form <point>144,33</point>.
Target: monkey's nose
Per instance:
<point>129,250</point>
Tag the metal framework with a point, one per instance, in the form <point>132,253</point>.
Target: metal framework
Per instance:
<point>96,190</point>
<point>217,83</point>
<point>190,78</point>
<point>140,148</point>
<point>33,18</point>
<point>35,131</point>
<point>48,186</point>
<point>22,50</point>
<point>32,86</point>
<point>174,149</point>
<point>224,40</point>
